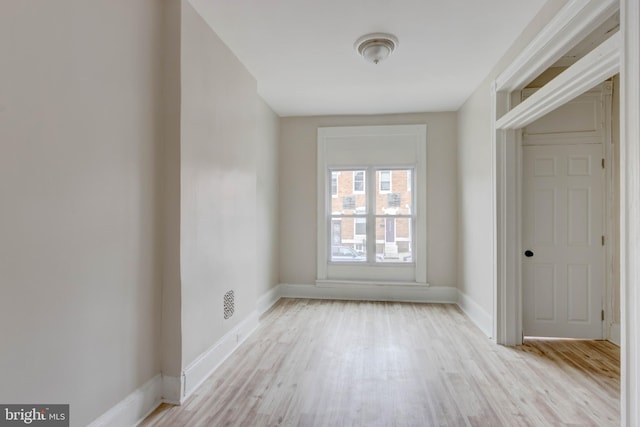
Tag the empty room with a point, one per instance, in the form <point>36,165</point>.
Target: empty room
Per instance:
<point>338,213</point>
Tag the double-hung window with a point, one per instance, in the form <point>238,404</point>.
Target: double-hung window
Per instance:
<point>384,181</point>
<point>372,226</point>
<point>358,181</point>
<point>389,237</point>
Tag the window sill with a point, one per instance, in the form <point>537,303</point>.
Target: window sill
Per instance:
<point>334,283</point>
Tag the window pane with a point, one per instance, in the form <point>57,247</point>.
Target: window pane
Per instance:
<point>384,181</point>
<point>346,244</point>
<point>358,182</point>
<point>393,196</point>
<point>393,240</point>
<point>346,201</point>
<point>334,184</point>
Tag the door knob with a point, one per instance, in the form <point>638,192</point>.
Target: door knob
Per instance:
<point>528,253</point>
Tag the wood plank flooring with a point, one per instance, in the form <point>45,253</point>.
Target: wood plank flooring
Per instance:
<point>346,363</point>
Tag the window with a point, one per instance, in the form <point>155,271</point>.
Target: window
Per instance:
<point>334,184</point>
<point>373,228</point>
<point>358,181</point>
<point>392,213</point>
<point>384,179</point>
<point>351,213</point>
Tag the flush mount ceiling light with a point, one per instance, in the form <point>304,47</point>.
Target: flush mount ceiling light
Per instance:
<point>376,47</point>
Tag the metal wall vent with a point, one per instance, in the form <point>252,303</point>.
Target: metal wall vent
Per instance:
<point>229,304</point>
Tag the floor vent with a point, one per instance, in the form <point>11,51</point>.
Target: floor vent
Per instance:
<point>229,304</point>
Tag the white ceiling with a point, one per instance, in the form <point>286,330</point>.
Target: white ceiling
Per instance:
<point>301,51</point>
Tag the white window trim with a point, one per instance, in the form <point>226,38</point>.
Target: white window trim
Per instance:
<point>412,153</point>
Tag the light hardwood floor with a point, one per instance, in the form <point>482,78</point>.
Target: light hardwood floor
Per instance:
<point>344,363</point>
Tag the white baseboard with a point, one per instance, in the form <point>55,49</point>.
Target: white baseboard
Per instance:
<point>172,388</point>
<point>358,292</point>
<point>367,292</point>
<point>478,316</point>
<point>139,404</point>
<point>135,407</point>
<point>203,366</point>
<point>363,292</point>
<point>614,334</point>
<point>268,299</point>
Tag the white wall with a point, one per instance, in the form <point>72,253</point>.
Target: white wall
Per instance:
<point>476,232</point>
<point>298,164</point>
<point>129,205</point>
<point>80,292</point>
<point>267,169</point>
<point>170,182</point>
<point>475,248</point>
<point>219,126</point>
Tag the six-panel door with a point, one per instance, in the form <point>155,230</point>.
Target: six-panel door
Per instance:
<point>563,275</point>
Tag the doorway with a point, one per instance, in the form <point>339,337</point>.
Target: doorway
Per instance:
<point>604,61</point>
<point>564,218</point>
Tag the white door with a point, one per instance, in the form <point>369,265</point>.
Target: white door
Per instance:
<point>563,254</point>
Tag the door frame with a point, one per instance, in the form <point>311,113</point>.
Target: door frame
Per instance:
<point>570,25</point>
<point>577,17</point>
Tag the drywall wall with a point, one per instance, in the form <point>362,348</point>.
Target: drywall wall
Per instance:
<point>218,186</point>
<point>267,198</point>
<point>79,248</point>
<point>169,179</point>
<point>298,172</point>
<point>475,232</point>
<point>476,260</point>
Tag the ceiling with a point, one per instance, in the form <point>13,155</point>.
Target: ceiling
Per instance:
<point>302,55</point>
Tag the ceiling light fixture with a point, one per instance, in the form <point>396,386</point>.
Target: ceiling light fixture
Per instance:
<point>376,47</point>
